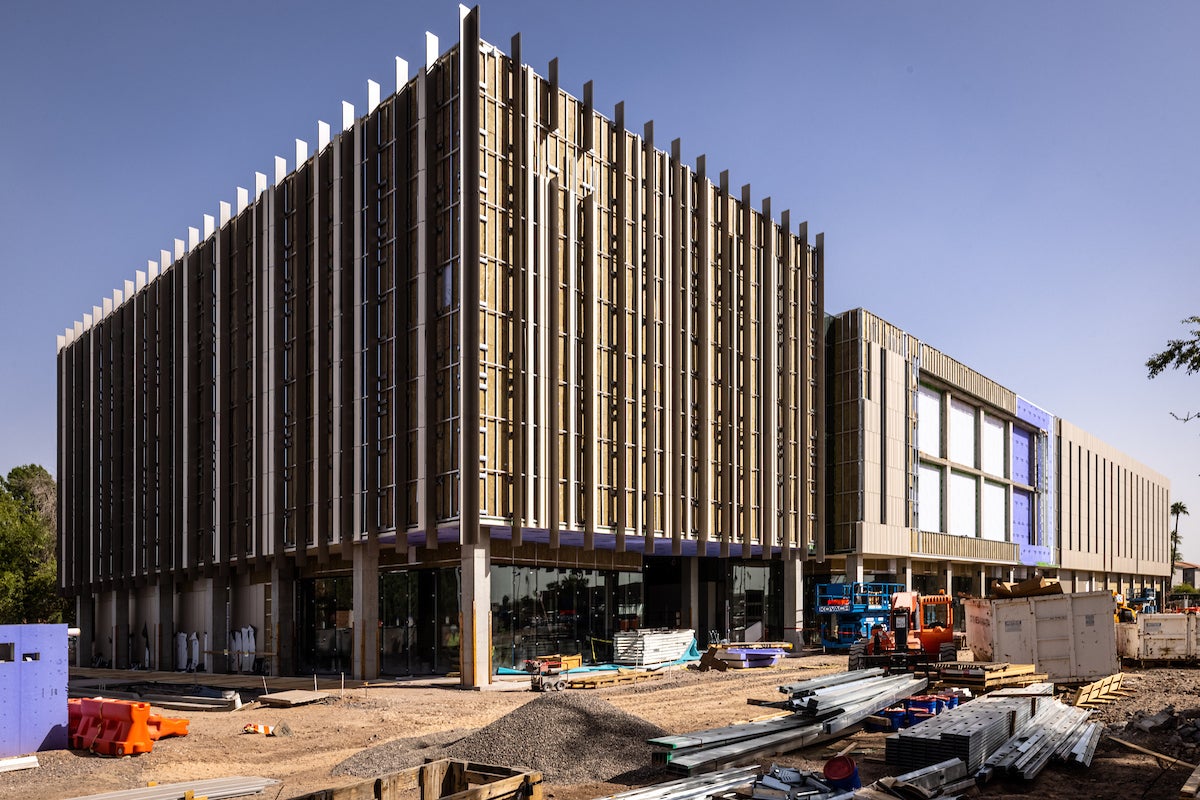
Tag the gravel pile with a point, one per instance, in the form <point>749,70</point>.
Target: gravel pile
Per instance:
<point>570,737</point>
<point>396,755</point>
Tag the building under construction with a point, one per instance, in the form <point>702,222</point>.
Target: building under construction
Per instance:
<point>946,480</point>
<point>488,375</point>
<point>486,372</point>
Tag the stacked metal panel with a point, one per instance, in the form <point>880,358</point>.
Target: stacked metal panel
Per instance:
<point>1012,731</point>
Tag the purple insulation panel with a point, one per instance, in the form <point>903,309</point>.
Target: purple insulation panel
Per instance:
<point>1022,517</point>
<point>1022,456</point>
<point>33,688</point>
<point>1031,554</point>
<point>1028,412</point>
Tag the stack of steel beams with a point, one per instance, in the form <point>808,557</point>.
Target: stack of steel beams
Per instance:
<point>826,717</point>
<point>696,788</point>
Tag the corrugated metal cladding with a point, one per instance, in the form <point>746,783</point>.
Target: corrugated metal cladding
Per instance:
<point>481,277</point>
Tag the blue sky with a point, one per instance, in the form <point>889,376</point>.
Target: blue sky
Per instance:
<point>1017,184</point>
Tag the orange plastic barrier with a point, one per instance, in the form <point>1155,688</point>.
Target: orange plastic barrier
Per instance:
<point>117,727</point>
<point>161,727</point>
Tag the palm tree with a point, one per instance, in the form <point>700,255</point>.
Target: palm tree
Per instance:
<point>1178,509</point>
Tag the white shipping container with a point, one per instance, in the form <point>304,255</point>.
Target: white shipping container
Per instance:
<point>1160,637</point>
<point>1070,637</point>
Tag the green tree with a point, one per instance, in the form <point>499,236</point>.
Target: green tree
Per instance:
<point>1180,354</point>
<point>1178,509</point>
<point>28,568</point>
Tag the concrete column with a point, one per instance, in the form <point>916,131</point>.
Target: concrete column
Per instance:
<point>906,577</point>
<point>854,568</point>
<point>981,588</point>
<point>120,629</point>
<point>365,660</point>
<point>85,620</point>
<point>476,611</point>
<point>218,627</point>
<point>793,601</point>
<point>948,577</point>
<point>164,658</point>
<point>689,602</point>
<point>283,621</point>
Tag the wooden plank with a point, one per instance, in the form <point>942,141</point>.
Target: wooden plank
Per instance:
<point>1191,786</point>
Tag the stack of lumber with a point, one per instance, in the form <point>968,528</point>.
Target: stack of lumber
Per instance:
<point>984,676</point>
<point>1015,732</point>
<point>818,716</point>
<point>601,680</point>
<point>650,646</point>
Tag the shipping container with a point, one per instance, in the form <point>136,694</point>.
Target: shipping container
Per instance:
<point>1160,637</point>
<point>1070,637</point>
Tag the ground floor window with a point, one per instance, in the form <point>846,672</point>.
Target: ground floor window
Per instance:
<point>419,622</point>
<point>325,636</point>
<point>538,611</point>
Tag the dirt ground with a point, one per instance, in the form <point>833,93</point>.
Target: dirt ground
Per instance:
<point>325,734</point>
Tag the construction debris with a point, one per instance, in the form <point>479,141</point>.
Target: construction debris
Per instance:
<point>1031,587</point>
<point>278,729</point>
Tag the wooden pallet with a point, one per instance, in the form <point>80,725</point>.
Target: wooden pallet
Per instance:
<point>602,680</point>
<point>982,670</point>
<point>1100,692</point>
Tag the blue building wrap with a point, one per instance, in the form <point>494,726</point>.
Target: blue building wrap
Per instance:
<point>33,689</point>
<point>1034,526</point>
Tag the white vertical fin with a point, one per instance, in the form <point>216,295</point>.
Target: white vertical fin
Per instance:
<point>179,249</point>
<point>225,212</point>
<point>210,225</point>
<point>372,96</point>
<point>401,73</point>
<point>260,184</point>
<point>165,257</point>
<point>347,115</point>
<point>140,279</point>
<point>322,135</point>
<point>431,49</point>
<point>193,238</point>
<point>280,169</point>
<point>301,152</point>
<point>243,198</point>
<point>152,269</point>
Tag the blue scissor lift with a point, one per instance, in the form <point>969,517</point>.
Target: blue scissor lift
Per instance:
<point>847,611</point>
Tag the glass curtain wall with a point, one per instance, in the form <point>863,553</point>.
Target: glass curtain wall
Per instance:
<point>755,601</point>
<point>419,621</point>
<point>326,637</point>
<point>539,611</point>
